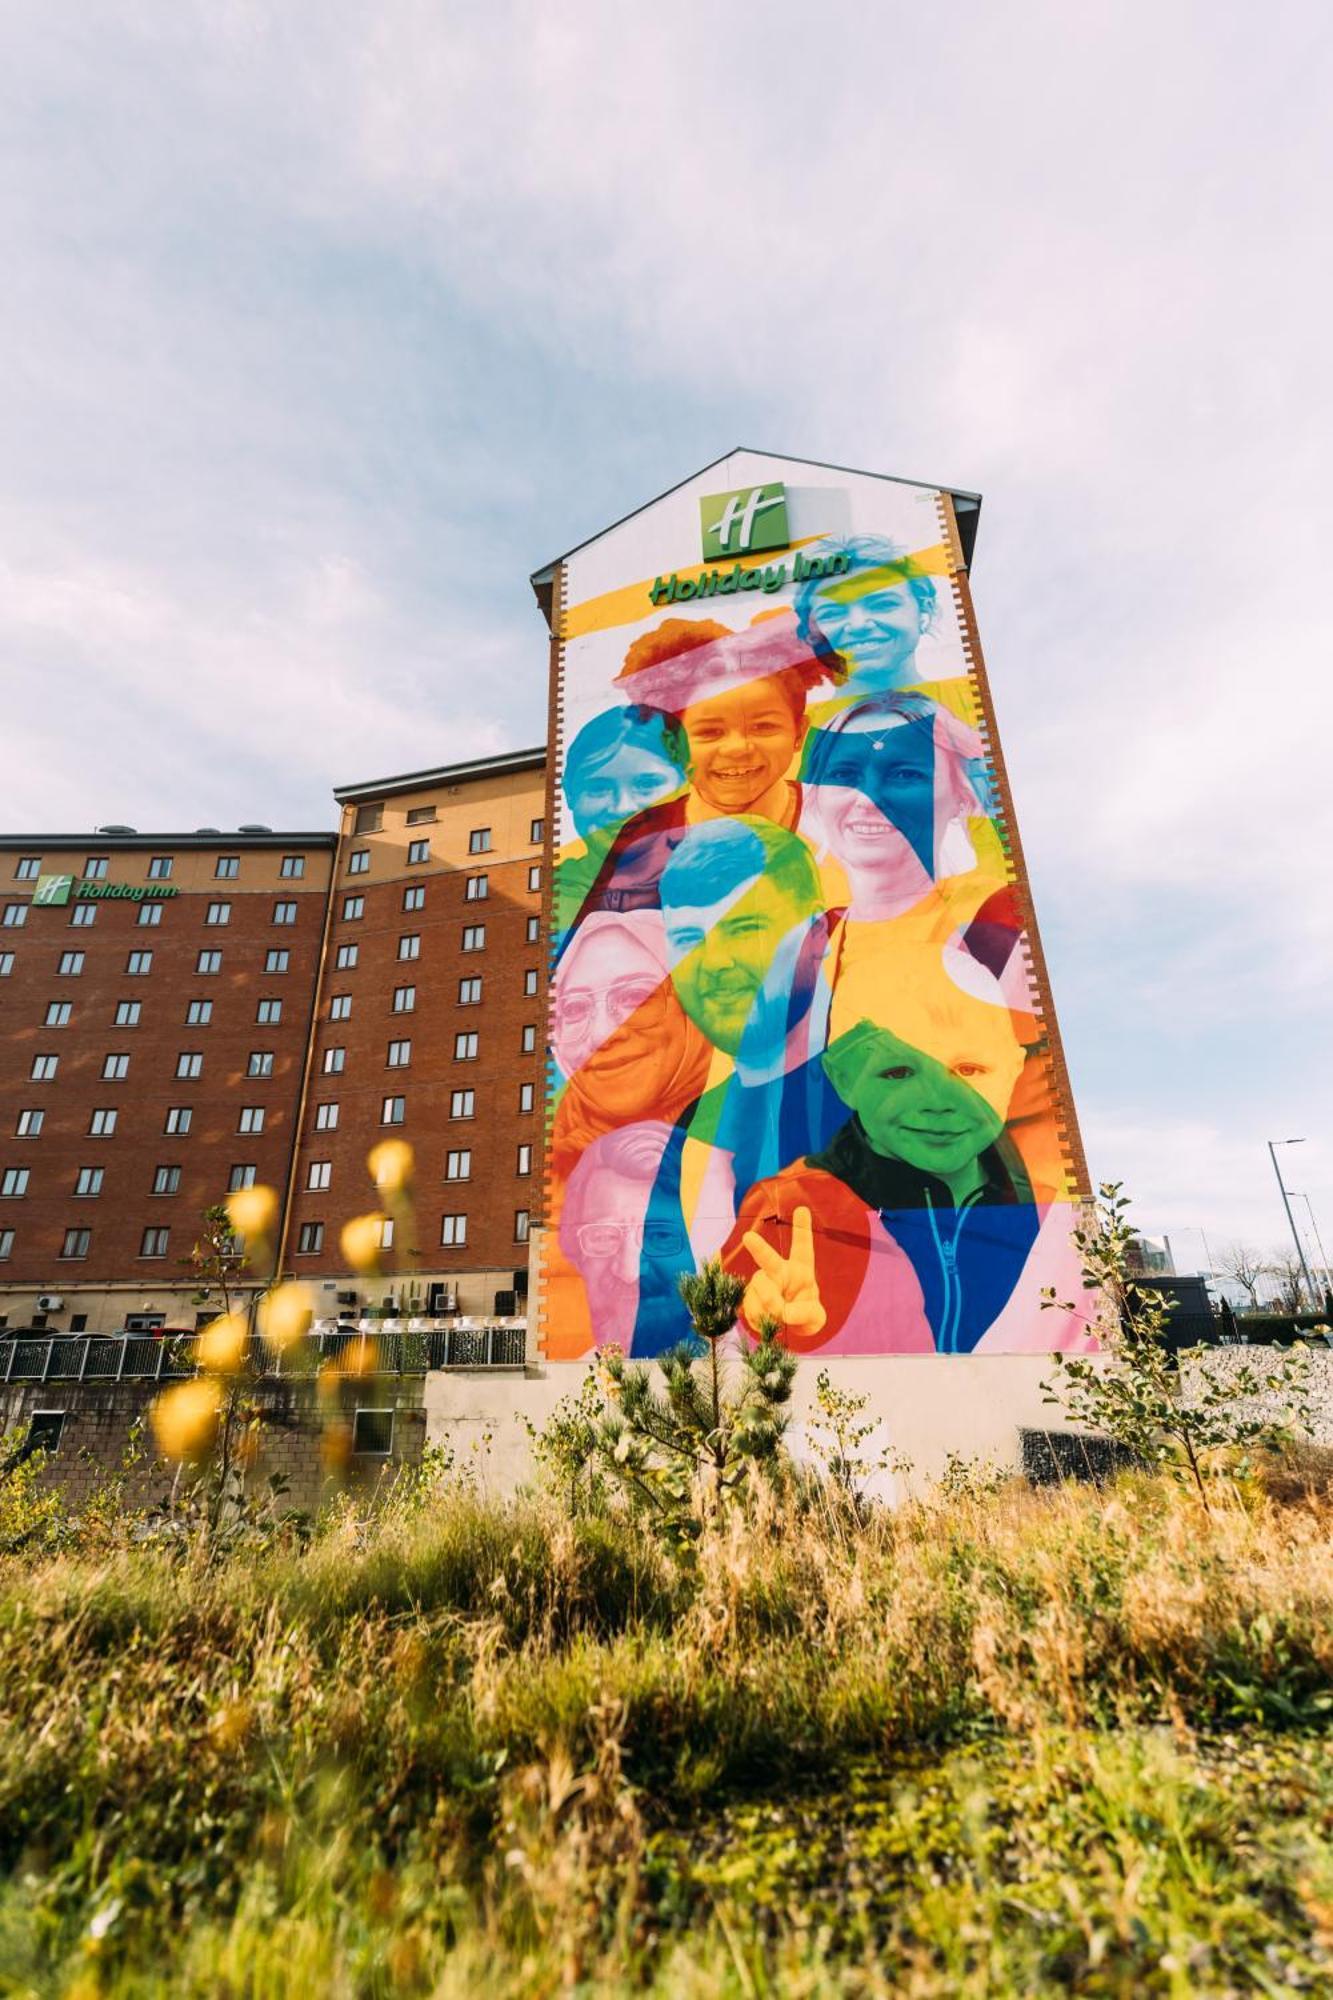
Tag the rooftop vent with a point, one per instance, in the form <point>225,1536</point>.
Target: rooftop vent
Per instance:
<point>115,829</point>
<point>254,829</point>
<point>209,829</point>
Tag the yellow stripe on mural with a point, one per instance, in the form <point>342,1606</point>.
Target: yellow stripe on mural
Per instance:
<point>630,604</point>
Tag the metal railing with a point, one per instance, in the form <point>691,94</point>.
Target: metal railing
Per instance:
<point>109,1357</point>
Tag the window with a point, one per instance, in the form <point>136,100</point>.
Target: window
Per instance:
<point>525,1096</point>
<point>326,1117</point>
<point>128,1012</point>
<point>465,1048</point>
<point>354,908</point>
<point>29,868</point>
<point>535,877</point>
<point>453,1231</point>
<point>140,963</point>
<point>340,1007</point>
<point>16,916</point>
<point>6,964</point>
<point>14,1181</point>
<point>209,961</point>
<point>149,913</point>
<point>478,888</point>
<point>293,866</point>
<point>529,1041</point>
<point>534,929</point>
<point>198,1013</point>
<point>251,1118</point>
<point>89,1181</point>
<point>529,982</point>
<point>520,1225</point>
<point>469,992</point>
<point>94,868</point>
<point>335,1061</point>
<point>284,913</point>
<point>154,1243</point>
<point>260,1063</point>
<point>404,999</point>
<point>474,937</point>
<point>458,1166</point>
<point>372,1433</point>
<point>462,1104</point>
<point>58,1013</point>
<point>228,867</point>
<point>318,1176</point>
<point>393,1111</point>
<point>83,915</point>
<point>115,1069</point>
<point>479,840</point>
<point>358,861</point>
<point>44,1068</point>
<point>77,1243</point>
<point>159,868</point>
<point>6,1244</point>
<point>241,1177</point>
<point>417,852</point>
<point>524,1165</point>
<point>268,1013</point>
<point>369,819</point>
<point>102,1124</point>
<point>386,1233</point>
<point>277,960</point>
<point>177,1119</point>
<point>414,897</point>
<point>421,815</point>
<point>310,1241</point>
<point>399,1056</point>
<point>410,945</point>
<point>218,913</point>
<point>189,1063</point>
<point>166,1180</point>
<point>29,1124</point>
<point>71,964</point>
<point>537,832</point>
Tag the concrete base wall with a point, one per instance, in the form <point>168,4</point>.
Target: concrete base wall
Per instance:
<point>927,1405</point>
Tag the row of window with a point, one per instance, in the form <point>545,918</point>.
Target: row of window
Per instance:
<point>467,1045</point>
<point>370,819</point>
<point>115,1068</point>
<point>77,1243</point>
<point>268,1013</point>
<point>89,1181</point>
<point>160,867</point>
<point>179,1118</point>
<point>139,964</point>
<point>453,1233</point>
<point>393,1111</point>
<point>15,915</point>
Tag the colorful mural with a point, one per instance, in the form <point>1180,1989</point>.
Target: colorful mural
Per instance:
<point>795,1019</point>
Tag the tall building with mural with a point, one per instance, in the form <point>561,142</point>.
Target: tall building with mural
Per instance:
<point>799,1015</point>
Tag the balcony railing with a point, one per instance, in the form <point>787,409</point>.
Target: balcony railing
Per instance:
<point>109,1357</point>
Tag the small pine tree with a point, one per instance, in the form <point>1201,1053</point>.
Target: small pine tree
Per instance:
<point>699,1429</point>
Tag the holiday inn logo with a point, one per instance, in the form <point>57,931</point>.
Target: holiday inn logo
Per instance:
<point>744,522</point>
<point>53,888</point>
<point>56,890</point>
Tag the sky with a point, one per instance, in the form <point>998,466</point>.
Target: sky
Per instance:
<point>324,325</point>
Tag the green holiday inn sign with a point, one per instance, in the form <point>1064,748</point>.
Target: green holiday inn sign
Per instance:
<point>745,523</point>
<point>57,890</point>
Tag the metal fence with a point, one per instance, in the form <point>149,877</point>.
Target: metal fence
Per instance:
<point>109,1357</point>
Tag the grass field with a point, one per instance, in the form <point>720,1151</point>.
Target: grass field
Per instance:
<point>997,1743</point>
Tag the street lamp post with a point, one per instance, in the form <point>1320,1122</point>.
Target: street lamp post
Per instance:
<point>1319,1241</point>
<point>1291,1220</point>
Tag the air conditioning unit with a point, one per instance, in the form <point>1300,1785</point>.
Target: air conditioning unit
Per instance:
<point>50,1302</point>
<point>348,1299</point>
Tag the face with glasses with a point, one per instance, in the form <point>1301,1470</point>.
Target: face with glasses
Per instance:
<point>604,981</point>
<point>623,1252</point>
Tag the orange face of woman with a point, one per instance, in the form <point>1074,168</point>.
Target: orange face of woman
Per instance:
<point>741,743</point>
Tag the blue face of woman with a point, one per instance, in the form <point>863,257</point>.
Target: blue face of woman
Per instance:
<point>876,789</point>
<point>875,625</point>
<point>630,780</point>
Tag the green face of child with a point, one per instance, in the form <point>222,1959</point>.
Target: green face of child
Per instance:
<point>936,1112</point>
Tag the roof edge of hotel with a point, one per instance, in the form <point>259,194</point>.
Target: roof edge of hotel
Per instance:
<point>93,838</point>
<point>543,576</point>
<point>443,774</point>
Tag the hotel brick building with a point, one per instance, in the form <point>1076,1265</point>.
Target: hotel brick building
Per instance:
<point>185,1014</point>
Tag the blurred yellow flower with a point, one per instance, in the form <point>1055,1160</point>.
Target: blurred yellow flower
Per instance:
<point>252,1211</point>
<point>360,1241</point>
<point>391,1165</point>
<point>359,1357</point>
<point>335,1446</point>
<point>221,1345</point>
<point>285,1314</point>
<point>185,1417</point>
